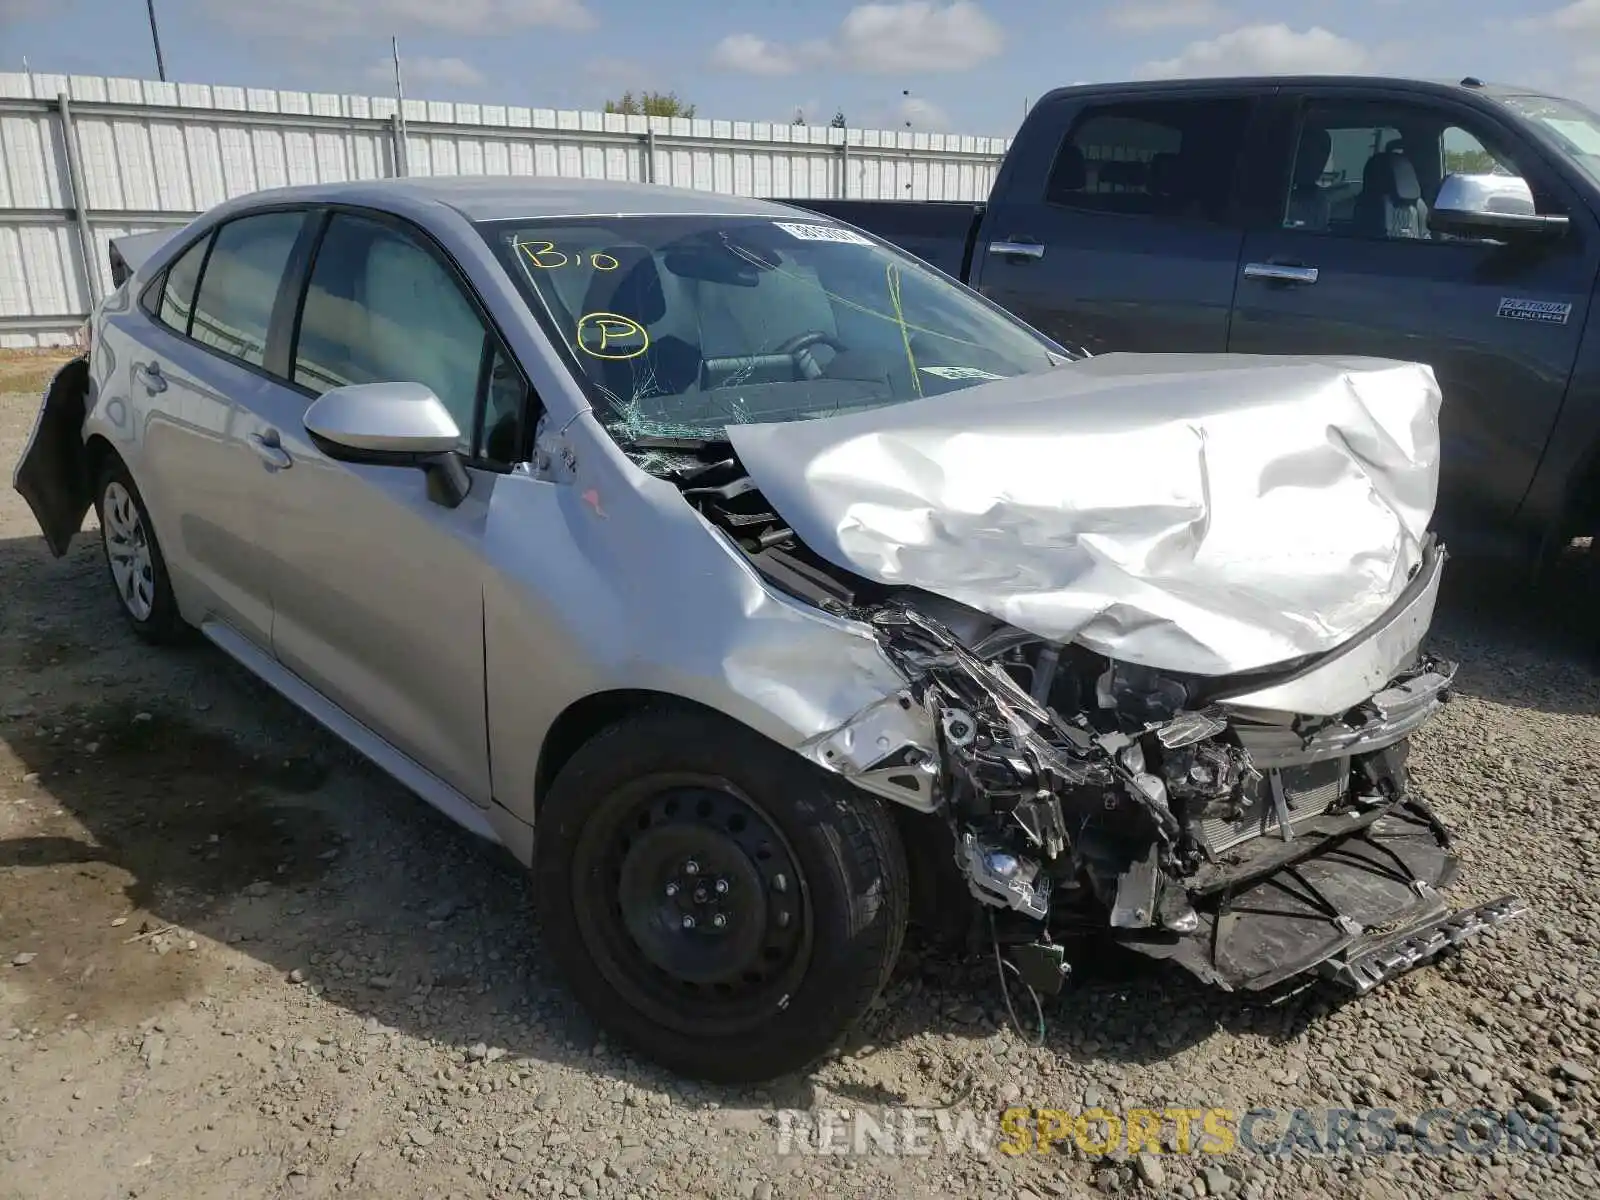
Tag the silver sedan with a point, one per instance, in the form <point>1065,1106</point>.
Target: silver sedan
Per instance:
<point>764,590</point>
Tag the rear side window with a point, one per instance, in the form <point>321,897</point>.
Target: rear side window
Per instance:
<point>176,299</point>
<point>1169,158</point>
<point>240,284</point>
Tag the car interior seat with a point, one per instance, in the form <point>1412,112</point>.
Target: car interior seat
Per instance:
<point>670,363</point>
<point>1391,204</point>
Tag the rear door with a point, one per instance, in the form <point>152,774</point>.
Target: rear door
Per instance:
<point>197,366</point>
<point>1342,262</point>
<point>1121,236</point>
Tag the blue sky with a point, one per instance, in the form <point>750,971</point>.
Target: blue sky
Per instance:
<point>968,65</point>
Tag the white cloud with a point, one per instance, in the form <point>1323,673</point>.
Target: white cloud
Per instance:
<point>1142,16</point>
<point>905,38</point>
<point>1581,16</point>
<point>1265,50</point>
<point>450,72</point>
<point>751,55</point>
<point>917,113</point>
<point>316,19</point>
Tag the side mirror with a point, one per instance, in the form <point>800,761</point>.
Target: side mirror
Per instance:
<point>1500,207</point>
<point>392,425</point>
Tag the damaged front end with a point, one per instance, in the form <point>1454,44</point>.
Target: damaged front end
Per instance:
<point>1247,847</point>
<point>1206,820</point>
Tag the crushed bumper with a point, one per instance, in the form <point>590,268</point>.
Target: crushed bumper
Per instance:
<point>1376,959</point>
<point>1361,908</point>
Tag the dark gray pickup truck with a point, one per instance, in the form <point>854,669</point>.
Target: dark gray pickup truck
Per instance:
<point>1452,224</point>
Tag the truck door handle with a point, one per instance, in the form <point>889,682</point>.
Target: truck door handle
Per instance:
<point>1011,249</point>
<point>1280,272</point>
<point>269,451</point>
<point>150,375</point>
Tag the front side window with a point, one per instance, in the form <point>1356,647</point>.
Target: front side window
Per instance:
<point>240,284</point>
<point>679,326</point>
<point>380,308</point>
<point>1372,169</point>
<point>1168,158</point>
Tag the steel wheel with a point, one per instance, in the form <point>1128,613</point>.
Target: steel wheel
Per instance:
<point>701,917</point>
<point>716,903</point>
<point>128,551</point>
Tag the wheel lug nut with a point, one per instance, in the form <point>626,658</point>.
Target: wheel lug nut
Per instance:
<point>672,889</point>
<point>691,867</point>
<point>722,887</point>
<point>688,922</point>
<point>719,920</point>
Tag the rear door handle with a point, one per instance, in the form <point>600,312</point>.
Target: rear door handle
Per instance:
<point>1012,249</point>
<point>269,451</point>
<point>1280,272</point>
<point>150,375</point>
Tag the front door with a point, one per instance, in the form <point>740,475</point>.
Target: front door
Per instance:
<point>1128,243</point>
<point>377,589</point>
<point>1348,265</point>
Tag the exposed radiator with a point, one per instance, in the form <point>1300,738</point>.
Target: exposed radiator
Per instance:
<point>1308,791</point>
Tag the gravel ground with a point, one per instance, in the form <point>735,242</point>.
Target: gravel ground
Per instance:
<point>234,961</point>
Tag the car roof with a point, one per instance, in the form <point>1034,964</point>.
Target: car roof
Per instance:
<point>492,198</point>
<point>1468,86</point>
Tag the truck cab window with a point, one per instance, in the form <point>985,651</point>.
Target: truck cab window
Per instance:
<point>1170,158</point>
<point>1373,170</point>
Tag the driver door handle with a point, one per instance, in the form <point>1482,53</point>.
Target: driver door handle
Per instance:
<point>1276,272</point>
<point>269,450</point>
<point>1017,248</point>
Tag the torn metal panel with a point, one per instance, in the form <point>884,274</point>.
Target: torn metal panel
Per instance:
<point>1204,514</point>
<point>889,748</point>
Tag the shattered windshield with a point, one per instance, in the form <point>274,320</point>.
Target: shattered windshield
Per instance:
<point>680,326</point>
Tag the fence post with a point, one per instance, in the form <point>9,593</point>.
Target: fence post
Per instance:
<point>397,135</point>
<point>78,201</point>
<point>649,155</point>
<point>844,166</point>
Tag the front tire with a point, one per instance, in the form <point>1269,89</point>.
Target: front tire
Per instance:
<point>714,901</point>
<point>133,557</point>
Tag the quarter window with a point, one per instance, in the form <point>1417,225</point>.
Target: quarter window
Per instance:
<point>380,308</point>
<point>176,299</point>
<point>1161,158</point>
<point>234,306</point>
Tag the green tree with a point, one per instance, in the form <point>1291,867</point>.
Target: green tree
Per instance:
<point>838,120</point>
<point>650,104</point>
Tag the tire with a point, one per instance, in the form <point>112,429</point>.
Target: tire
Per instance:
<point>134,562</point>
<point>662,806</point>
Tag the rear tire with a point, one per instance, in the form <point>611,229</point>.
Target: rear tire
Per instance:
<point>715,902</point>
<point>134,561</point>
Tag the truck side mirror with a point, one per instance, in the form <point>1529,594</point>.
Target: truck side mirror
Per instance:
<point>1498,207</point>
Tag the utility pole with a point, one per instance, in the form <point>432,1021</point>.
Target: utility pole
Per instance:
<point>399,89</point>
<point>155,37</point>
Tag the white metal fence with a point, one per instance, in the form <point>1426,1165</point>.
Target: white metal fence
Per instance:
<point>84,159</point>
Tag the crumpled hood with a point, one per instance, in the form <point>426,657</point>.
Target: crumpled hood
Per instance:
<point>1196,513</point>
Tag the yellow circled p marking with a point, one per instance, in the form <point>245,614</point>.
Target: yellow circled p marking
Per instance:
<point>612,327</point>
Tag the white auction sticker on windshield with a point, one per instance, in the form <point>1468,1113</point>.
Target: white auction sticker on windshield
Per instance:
<point>823,233</point>
<point>960,373</point>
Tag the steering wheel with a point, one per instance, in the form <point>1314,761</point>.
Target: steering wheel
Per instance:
<point>799,346</point>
